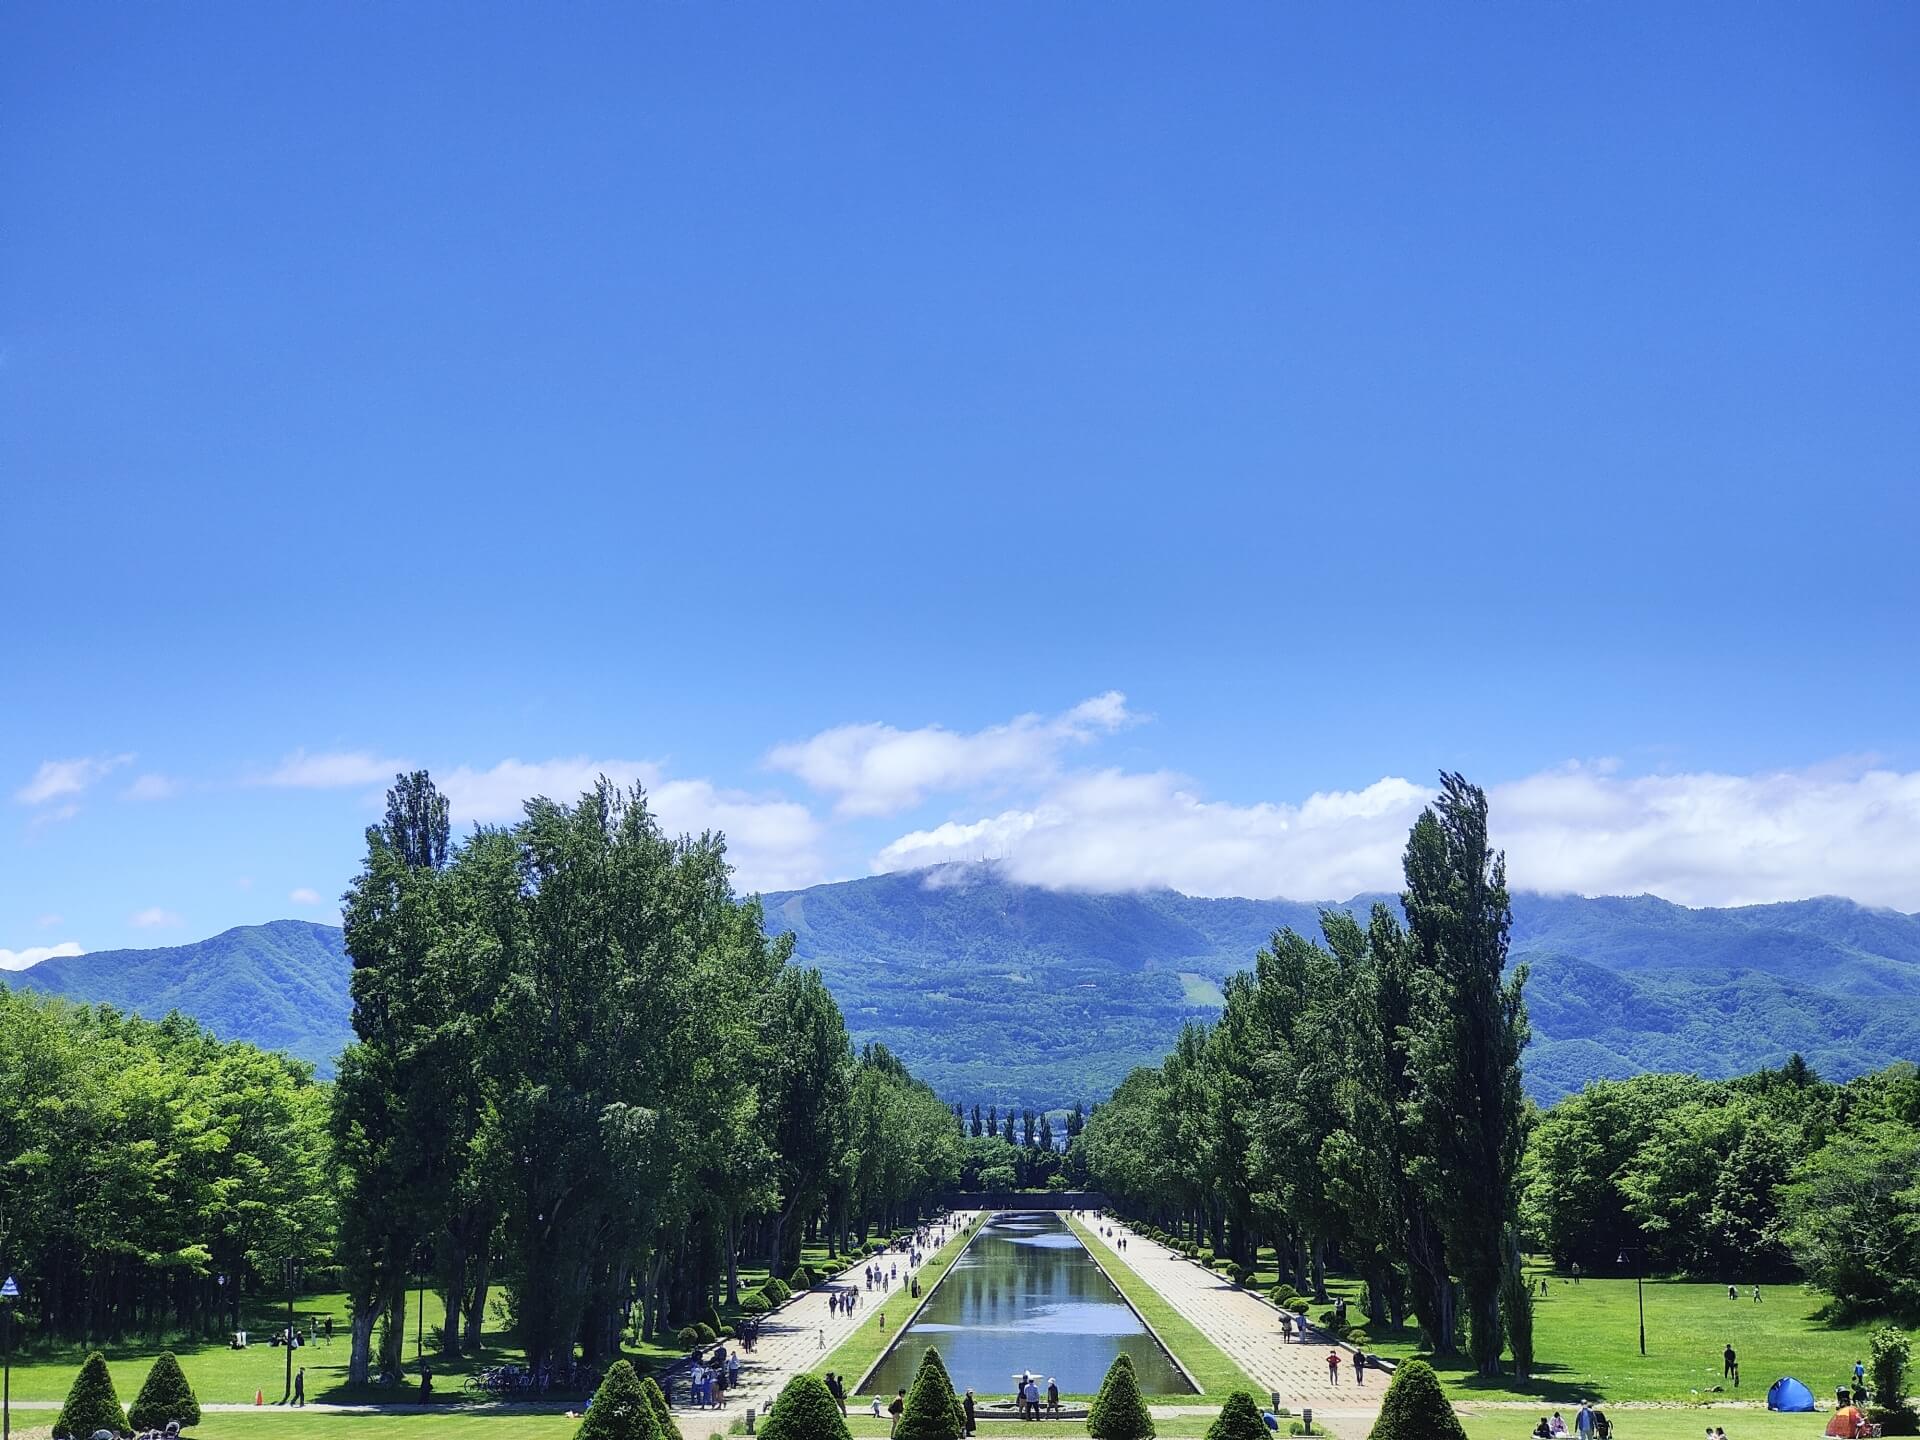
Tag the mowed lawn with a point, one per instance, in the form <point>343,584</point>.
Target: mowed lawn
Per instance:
<point>1675,1424</point>
<point>220,1375</point>
<point>1587,1341</point>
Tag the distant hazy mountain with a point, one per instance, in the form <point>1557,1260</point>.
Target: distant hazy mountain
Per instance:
<point>993,990</point>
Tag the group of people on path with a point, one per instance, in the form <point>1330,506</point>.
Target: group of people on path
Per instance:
<point>713,1376</point>
<point>1588,1424</point>
<point>1027,1396</point>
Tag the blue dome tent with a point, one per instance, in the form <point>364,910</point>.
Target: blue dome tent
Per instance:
<point>1787,1393</point>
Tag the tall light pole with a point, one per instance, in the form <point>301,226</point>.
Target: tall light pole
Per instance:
<point>293,1272</point>
<point>1639,1288</point>
<point>9,1292</point>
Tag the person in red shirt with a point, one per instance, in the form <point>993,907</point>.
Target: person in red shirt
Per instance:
<point>1333,1367</point>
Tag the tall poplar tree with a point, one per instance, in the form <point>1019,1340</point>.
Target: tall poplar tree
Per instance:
<point>1469,1028</point>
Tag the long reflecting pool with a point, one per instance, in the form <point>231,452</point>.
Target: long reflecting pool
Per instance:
<point>1027,1296</point>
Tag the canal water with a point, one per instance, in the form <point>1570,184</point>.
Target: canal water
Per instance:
<point>1026,1296</point>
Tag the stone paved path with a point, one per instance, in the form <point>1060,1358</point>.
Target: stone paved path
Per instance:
<point>1240,1323</point>
<point>791,1340</point>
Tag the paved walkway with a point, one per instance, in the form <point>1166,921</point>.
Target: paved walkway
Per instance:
<point>1241,1324</point>
<point>798,1336</point>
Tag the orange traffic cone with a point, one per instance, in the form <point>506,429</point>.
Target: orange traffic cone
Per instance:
<point>258,1398</point>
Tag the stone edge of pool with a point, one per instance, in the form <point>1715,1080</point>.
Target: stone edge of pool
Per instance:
<point>986,1218</point>
<point>980,1223</point>
<point>1074,1225</point>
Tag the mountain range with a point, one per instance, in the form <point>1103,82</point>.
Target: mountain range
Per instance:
<point>997,991</point>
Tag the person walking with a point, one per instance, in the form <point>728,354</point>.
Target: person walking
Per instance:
<point>1576,1272</point>
<point>837,1388</point>
<point>1053,1396</point>
<point>300,1386</point>
<point>1333,1367</point>
<point>1730,1365</point>
<point>1583,1422</point>
<point>1359,1367</point>
<point>895,1409</point>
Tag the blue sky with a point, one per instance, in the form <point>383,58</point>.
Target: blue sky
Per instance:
<point>669,388</point>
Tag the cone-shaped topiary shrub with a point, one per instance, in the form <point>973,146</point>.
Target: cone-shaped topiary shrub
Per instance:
<point>165,1396</point>
<point>804,1411</point>
<point>619,1410</point>
<point>1119,1413</point>
<point>1239,1419</point>
<point>92,1403</point>
<point>933,1411</point>
<point>662,1412</point>
<point>1414,1408</point>
<point>801,1279</point>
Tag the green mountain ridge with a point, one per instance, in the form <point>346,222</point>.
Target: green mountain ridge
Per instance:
<point>997,991</point>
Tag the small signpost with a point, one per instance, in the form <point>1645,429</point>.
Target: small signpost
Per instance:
<point>9,1292</point>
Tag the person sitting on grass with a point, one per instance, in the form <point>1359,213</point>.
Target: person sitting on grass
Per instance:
<point>1543,1431</point>
<point>1556,1426</point>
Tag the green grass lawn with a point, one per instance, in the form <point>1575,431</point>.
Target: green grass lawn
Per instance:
<point>855,1355</point>
<point>1676,1424</point>
<point>220,1375</point>
<point>1587,1339</point>
<point>1206,1362</point>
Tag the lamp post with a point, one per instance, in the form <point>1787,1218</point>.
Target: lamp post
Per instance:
<point>1639,1288</point>
<point>9,1292</point>
<point>293,1276</point>
<point>420,1263</point>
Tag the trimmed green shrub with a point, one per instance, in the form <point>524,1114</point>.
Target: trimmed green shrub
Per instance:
<point>933,1411</point>
<point>164,1396</point>
<point>687,1336</point>
<point>706,1333</point>
<point>1239,1419</point>
<point>1299,1306</point>
<point>804,1411</point>
<point>1358,1337</point>
<point>776,1291</point>
<point>1282,1295</point>
<point>1242,1276</point>
<point>1888,1351</point>
<point>802,1278</point>
<point>1301,1427</point>
<point>1119,1412</point>
<point>1415,1408</point>
<point>92,1404</point>
<point>620,1409</point>
<point>662,1412</point>
<point>754,1304</point>
<point>712,1319</point>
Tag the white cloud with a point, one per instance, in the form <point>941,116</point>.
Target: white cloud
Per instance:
<point>57,778</point>
<point>48,921</point>
<point>1698,839</point>
<point>153,787</point>
<point>501,792</point>
<point>1110,830</point>
<point>154,918</point>
<point>771,842</point>
<point>333,770</point>
<point>876,769</point>
<point>34,954</point>
<point>304,896</point>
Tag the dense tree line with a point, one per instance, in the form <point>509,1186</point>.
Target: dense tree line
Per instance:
<point>586,1083</point>
<point>150,1176</point>
<point>1775,1173</point>
<point>1359,1094</point>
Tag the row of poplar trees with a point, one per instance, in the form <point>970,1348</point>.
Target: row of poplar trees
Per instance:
<point>587,1084</point>
<point>1362,1094</point>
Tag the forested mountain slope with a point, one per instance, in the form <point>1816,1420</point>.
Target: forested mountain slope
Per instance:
<point>997,991</point>
<point>282,985</point>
